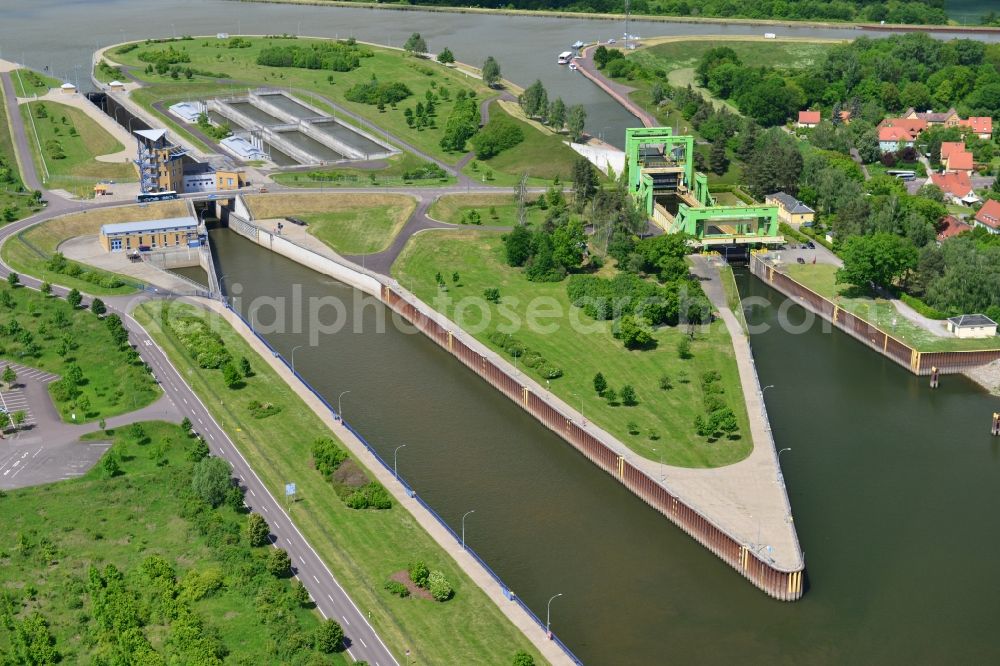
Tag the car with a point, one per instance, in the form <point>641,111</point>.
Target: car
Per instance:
<point>811,245</point>
<point>800,260</point>
<point>611,41</point>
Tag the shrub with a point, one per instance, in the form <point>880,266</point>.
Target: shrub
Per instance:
<point>334,56</point>
<point>397,588</point>
<point>418,573</point>
<point>684,348</point>
<point>327,456</point>
<point>600,384</point>
<point>261,410</point>
<point>374,92</point>
<point>257,530</point>
<point>492,294</point>
<point>665,383</point>
<point>211,480</point>
<point>204,345</point>
<point>369,496</point>
<point>628,396</point>
<point>329,637</point>
<point>278,563</point>
<point>439,587</point>
<point>923,308</point>
<point>499,134</point>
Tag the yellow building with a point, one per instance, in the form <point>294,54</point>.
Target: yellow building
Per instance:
<point>229,179</point>
<point>161,167</point>
<point>791,210</point>
<point>150,234</point>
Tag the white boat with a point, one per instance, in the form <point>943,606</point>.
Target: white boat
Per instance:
<point>770,35</point>
<point>574,66</point>
<point>565,57</point>
<point>578,44</point>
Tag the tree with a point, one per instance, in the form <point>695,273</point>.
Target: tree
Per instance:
<point>230,375</point>
<point>301,595</point>
<point>278,563</point>
<point>879,259</point>
<point>9,376</point>
<point>186,425</point>
<point>491,72</point>
<point>418,573</point>
<point>256,530</point>
<point>684,348</point>
<point>534,100</point>
<point>522,658</point>
<point>628,396</point>
<point>33,642</point>
<point>46,288</point>
<point>517,245</point>
<point>97,307</point>
<point>211,480</point>
<point>717,159</point>
<point>198,450</point>
<point>74,298</point>
<point>557,114</point>
<point>438,586</point>
<point>584,181</point>
<point>415,44</point>
<point>600,384</point>
<point>611,396</point>
<point>13,279</point>
<point>245,368</point>
<point>17,418</point>
<point>576,121</point>
<point>446,57</point>
<point>633,332</point>
<point>110,467</point>
<point>329,637</point>
<point>868,147</point>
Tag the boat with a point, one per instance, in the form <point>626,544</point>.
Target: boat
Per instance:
<point>565,57</point>
<point>573,66</point>
<point>578,45</point>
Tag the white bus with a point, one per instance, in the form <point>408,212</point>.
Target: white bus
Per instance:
<point>565,57</point>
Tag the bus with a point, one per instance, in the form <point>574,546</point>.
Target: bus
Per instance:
<point>146,197</point>
<point>902,174</point>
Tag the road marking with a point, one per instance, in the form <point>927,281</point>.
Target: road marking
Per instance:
<point>314,577</point>
<point>330,598</point>
<point>185,400</point>
<point>264,507</point>
<point>211,436</point>
<point>252,492</point>
<point>362,641</point>
<point>302,559</point>
<point>346,621</point>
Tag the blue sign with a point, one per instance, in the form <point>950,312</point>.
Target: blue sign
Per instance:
<point>289,489</point>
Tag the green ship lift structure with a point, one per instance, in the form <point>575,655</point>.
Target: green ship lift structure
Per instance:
<point>662,179</point>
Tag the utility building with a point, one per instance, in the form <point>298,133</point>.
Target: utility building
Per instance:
<point>150,235</point>
<point>663,180</point>
<point>161,167</point>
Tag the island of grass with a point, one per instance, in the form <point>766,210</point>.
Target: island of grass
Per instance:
<point>29,83</point>
<point>485,209</point>
<point>15,201</point>
<point>403,170</point>
<point>362,547</point>
<point>65,142</point>
<point>669,388</point>
<point>100,374</point>
<point>387,87</point>
<point>348,223</point>
<point>881,312</point>
<point>34,251</point>
<point>182,579</point>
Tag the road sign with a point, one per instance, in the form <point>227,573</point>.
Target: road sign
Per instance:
<point>289,489</point>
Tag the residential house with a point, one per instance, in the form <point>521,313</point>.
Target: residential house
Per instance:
<point>791,210</point>
<point>809,118</point>
<point>952,227</point>
<point>949,118</point>
<point>981,126</point>
<point>988,216</point>
<point>912,125</point>
<point>893,139</point>
<point>957,187</point>
<point>959,161</point>
<point>948,147</point>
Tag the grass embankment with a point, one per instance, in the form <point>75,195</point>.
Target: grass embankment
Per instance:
<point>15,202</point>
<point>349,223</point>
<point>28,83</point>
<point>881,312</point>
<point>30,250</point>
<point>70,140</point>
<point>455,209</point>
<point>144,511</point>
<point>401,170</point>
<point>59,336</point>
<point>362,548</point>
<point>478,257</point>
<point>733,295</point>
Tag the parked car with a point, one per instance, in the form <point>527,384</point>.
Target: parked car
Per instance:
<point>800,260</point>
<point>811,245</point>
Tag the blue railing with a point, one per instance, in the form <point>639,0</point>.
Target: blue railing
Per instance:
<point>409,490</point>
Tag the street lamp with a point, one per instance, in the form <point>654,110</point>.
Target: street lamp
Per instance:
<point>767,387</point>
<point>340,412</point>
<point>548,616</point>
<point>782,451</point>
<point>463,527</point>
<point>395,473</point>
<point>293,357</point>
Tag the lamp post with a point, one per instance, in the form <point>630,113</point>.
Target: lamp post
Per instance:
<point>548,616</point>
<point>293,357</point>
<point>222,288</point>
<point>766,387</point>
<point>395,473</point>
<point>788,448</point>
<point>463,526</point>
<point>340,412</point>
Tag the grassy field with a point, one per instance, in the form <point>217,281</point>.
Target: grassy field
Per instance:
<point>362,548</point>
<point>63,336</point>
<point>28,83</point>
<point>879,311</point>
<point>70,141</point>
<point>14,201</point>
<point>29,251</point>
<point>390,176</point>
<point>675,55</point>
<point>143,511</point>
<point>349,223</point>
<point>477,255</point>
<point>453,208</point>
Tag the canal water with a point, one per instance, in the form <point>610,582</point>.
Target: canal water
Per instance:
<point>62,34</point>
<point>893,487</point>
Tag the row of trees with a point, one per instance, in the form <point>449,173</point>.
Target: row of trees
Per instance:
<point>535,104</point>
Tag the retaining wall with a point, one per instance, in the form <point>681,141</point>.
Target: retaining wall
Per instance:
<point>782,585</point>
<point>917,362</point>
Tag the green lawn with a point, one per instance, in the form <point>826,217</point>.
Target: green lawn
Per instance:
<point>733,294</point>
<point>70,140</point>
<point>63,336</point>
<point>454,209</point>
<point>752,51</point>
<point>30,250</point>
<point>477,255</point>
<point>879,311</point>
<point>28,83</point>
<point>349,223</point>
<point>144,511</point>
<point>362,548</point>
<point>14,200</point>
<point>393,175</point>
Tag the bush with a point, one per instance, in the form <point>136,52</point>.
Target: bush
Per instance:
<point>628,396</point>
<point>330,637</point>
<point>397,588</point>
<point>261,410</point>
<point>419,573</point>
<point>375,93</point>
<point>257,530</point>
<point>439,587</point>
<point>334,56</point>
<point>492,294</point>
<point>369,496</point>
<point>211,480</point>
<point>327,456</point>
<point>204,345</point>
<point>923,308</point>
<point>278,563</point>
<point>684,348</point>
<point>499,134</point>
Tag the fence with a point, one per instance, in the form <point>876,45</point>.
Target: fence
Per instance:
<point>917,362</point>
<point>409,489</point>
<point>786,585</point>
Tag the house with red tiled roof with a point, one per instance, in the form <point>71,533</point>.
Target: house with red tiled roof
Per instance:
<point>809,118</point>
<point>845,116</point>
<point>952,226</point>
<point>959,161</point>
<point>948,147</point>
<point>912,125</point>
<point>957,187</point>
<point>892,139</point>
<point>949,118</point>
<point>981,126</point>
<point>988,216</point>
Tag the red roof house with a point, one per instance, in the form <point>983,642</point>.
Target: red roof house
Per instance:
<point>912,125</point>
<point>947,147</point>
<point>809,118</point>
<point>959,160</point>
<point>989,216</point>
<point>957,186</point>
<point>952,226</point>
<point>982,126</point>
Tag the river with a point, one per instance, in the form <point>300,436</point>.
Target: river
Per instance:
<point>894,504</point>
<point>62,34</point>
